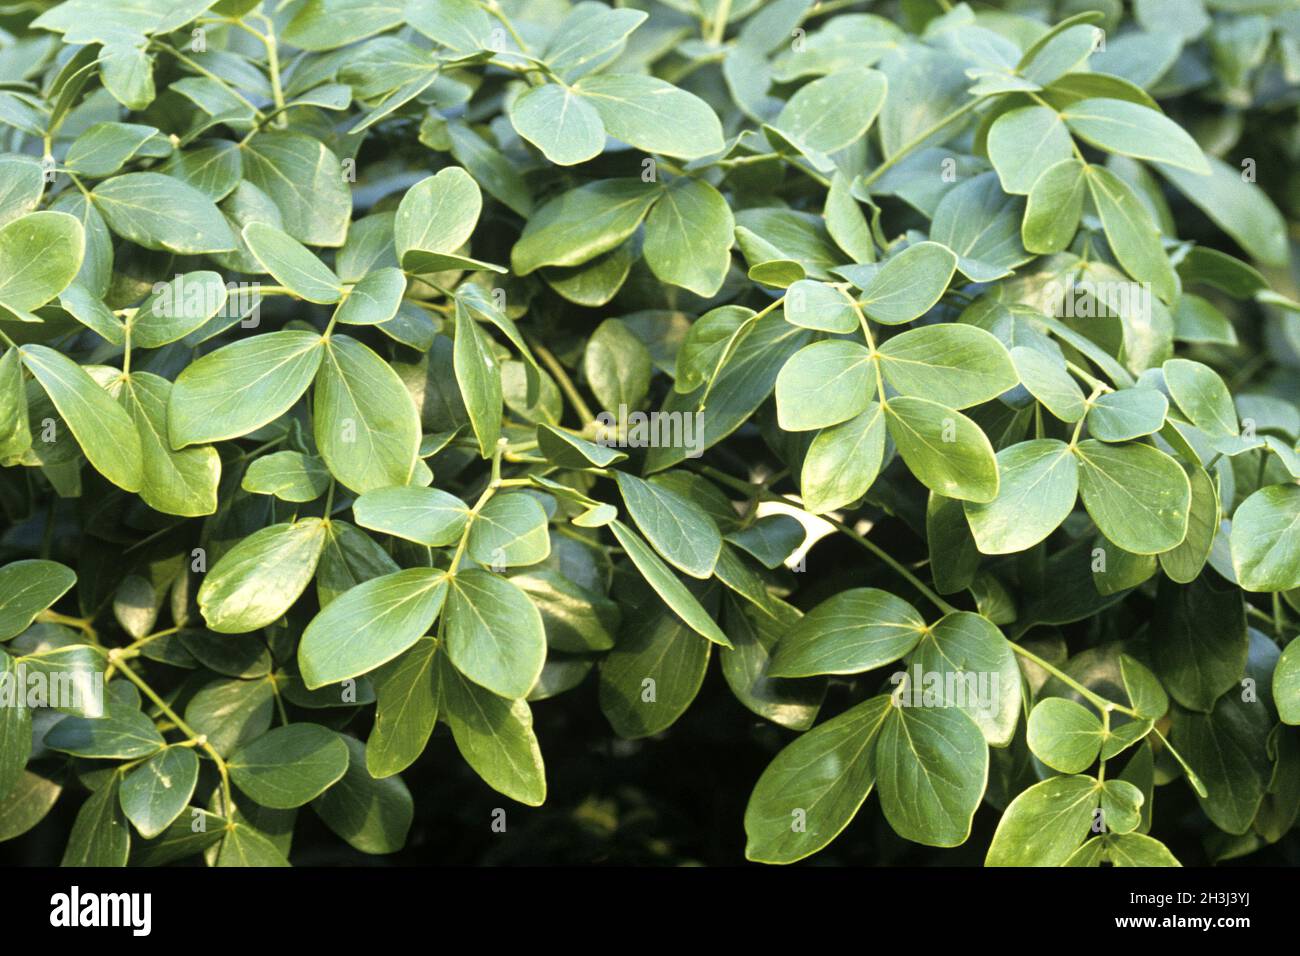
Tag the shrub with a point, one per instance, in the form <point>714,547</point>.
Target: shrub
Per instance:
<point>369,367</point>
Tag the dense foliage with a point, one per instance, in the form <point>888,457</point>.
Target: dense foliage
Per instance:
<point>371,366</point>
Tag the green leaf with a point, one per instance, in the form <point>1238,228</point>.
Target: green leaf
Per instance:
<point>981,224</point>
<point>1024,143</point>
<point>1241,209</point>
<point>15,726</point>
<point>424,515</point>
<point>1053,208</point>
<point>617,366</point>
<point>26,589</point>
<point>559,122</point>
<point>665,583</point>
<point>105,148</point>
<point>1060,49</point>
<point>832,112</point>
<point>755,631</point>
<point>1202,396</point>
<point>1200,641</point>
<point>367,428</point>
<point>1045,823</point>
<point>214,169</point>
<point>814,787</point>
<point>510,531</point>
<point>969,654</point>
<point>256,582</point>
<point>1139,497</point>
<point>652,114</point>
<point>580,224</point>
<point>183,838</point>
<point>324,26</point>
<point>162,212</point>
<point>40,254</point>
<point>102,427</point>
<point>394,611</point>
<point>954,557</point>
<point>26,804</point>
<point>24,184</point>
<point>654,671</point>
<point>373,816</point>
<point>494,735</point>
<point>678,528</point>
<point>292,264</point>
<point>570,451</point>
<point>231,712</point>
<point>435,219</point>
<point>1127,414</point>
<point>908,284</point>
<point>931,769</point>
<point>1265,545</point>
<point>374,300</point>
<point>304,179</point>
<point>1138,849</point>
<point>1048,381</point>
<point>459,24</point>
<point>478,376</point>
<point>688,237</point>
<point>1228,749</point>
<point>1064,735</point>
<point>843,461</point>
<point>158,791</point>
<point>350,557</point>
<point>946,451</point>
<point>407,691</point>
<point>289,766</point>
<point>1132,234</point>
<point>242,386</point>
<point>289,475</point>
<point>177,308</point>
<point>589,35</point>
<point>771,539</point>
<point>956,365</point>
<point>243,846</point>
<point>1130,129</point>
<point>100,835</point>
<point>1039,481</point>
<point>1286,684</point>
<point>742,386</point>
<point>816,305</point>
<point>824,384</point>
<point>123,733</point>
<point>174,482</point>
<point>494,633</point>
<point>1144,691</point>
<point>855,630</point>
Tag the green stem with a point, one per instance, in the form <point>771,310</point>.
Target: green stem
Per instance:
<point>493,484</point>
<point>562,379</point>
<point>747,488</point>
<point>718,28</point>
<point>200,740</point>
<point>495,9</point>
<point>80,623</point>
<point>273,67</point>
<point>729,349</point>
<point>204,71</point>
<point>1101,703</point>
<point>884,556</point>
<point>871,343</point>
<point>920,138</point>
<point>1105,735</point>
